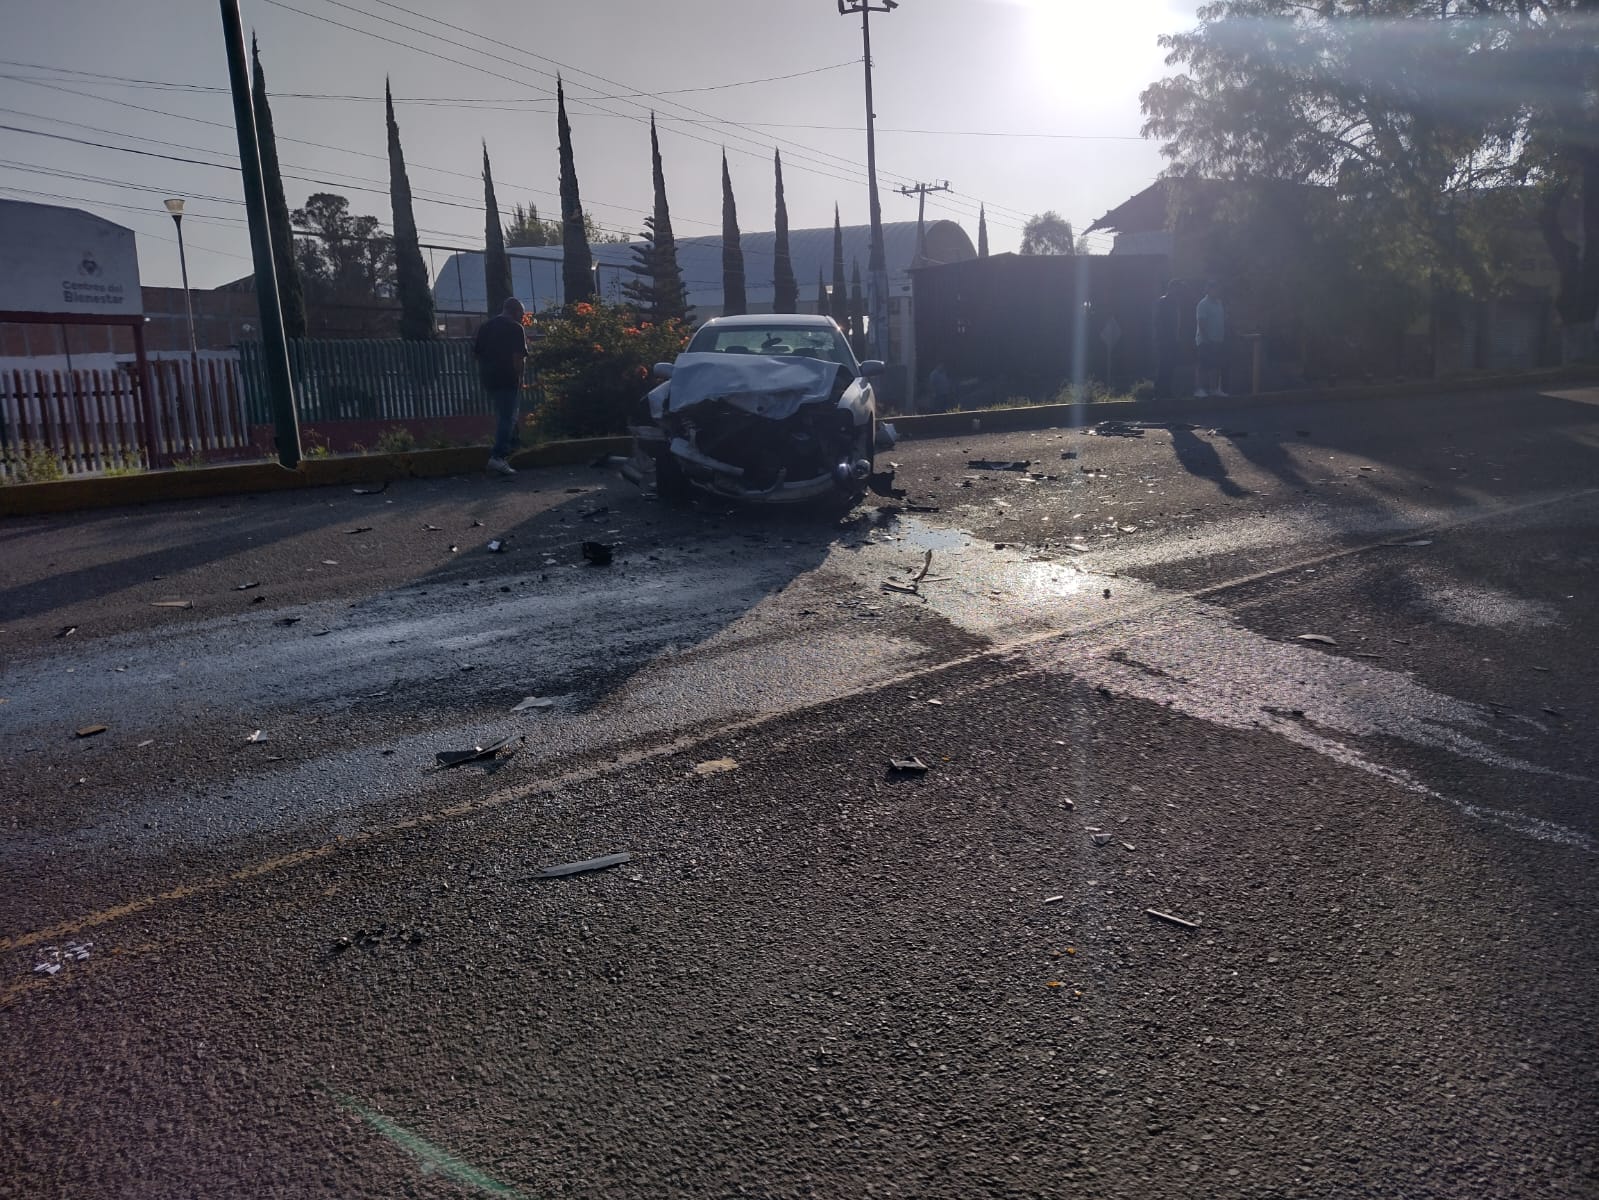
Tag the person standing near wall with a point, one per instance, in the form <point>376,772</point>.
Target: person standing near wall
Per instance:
<point>1210,342</point>
<point>501,350</point>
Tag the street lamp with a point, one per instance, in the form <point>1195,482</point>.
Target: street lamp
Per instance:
<point>175,207</point>
<point>877,266</point>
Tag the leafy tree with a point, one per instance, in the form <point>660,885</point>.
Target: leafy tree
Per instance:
<point>1413,122</point>
<point>659,292</point>
<point>982,231</point>
<point>1048,233</point>
<point>291,294</point>
<point>411,282</point>
<point>785,288</point>
<point>497,288</point>
<point>734,300</point>
<point>527,228</point>
<point>343,259</point>
<point>840,284</point>
<point>577,260</point>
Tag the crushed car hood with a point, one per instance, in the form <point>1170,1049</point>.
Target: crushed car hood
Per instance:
<point>775,388</point>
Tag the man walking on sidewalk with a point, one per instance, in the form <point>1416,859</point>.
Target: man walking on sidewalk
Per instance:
<point>501,349</point>
<point>1210,343</point>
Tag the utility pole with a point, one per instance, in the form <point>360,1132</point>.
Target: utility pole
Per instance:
<point>920,191</point>
<point>274,345</point>
<point>877,264</point>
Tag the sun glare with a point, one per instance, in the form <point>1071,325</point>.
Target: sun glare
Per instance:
<point>1087,55</point>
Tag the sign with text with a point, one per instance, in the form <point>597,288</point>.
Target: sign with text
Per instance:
<point>64,260</point>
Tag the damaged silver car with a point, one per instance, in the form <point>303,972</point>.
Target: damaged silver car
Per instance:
<point>767,409</point>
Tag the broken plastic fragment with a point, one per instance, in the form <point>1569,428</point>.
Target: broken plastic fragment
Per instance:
<point>255,737</point>
<point>533,702</point>
<point>913,765</point>
<point>588,864</point>
<point>1321,639</point>
<point>454,758</point>
<point>496,547</point>
<point>371,491</point>
<point>245,587</point>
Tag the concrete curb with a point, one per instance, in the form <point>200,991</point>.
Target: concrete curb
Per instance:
<point>1035,416</point>
<point>72,495</point>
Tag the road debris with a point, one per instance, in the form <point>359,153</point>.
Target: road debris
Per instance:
<point>256,738</point>
<point>984,464</point>
<point>496,547</point>
<point>1101,839</point>
<point>67,631</point>
<point>146,742</point>
<point>533,702</point>
<point>85,731</point>
<point>1413,543</point>
<point>908,766</point>
<point>1555,712</point>
<point>1321,639</point>
<point>716,766</point>
<point>1078,548</point>
<point>172,604</point>
<point>580,868</point>
<point>1053,899</point>
<point>597,554</point>
<point>245,587</point>
<point>372,491</point>
<point>455,758</point>
<point>1178,921</point>
<point>431,529</point>
<point>358,529</point>
<point>288,620</point>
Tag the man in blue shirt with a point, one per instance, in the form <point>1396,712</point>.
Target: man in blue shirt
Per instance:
<point>1210,343</point>
<point>501,349</point>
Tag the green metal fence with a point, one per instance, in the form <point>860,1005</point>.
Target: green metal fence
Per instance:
<point>370,380</point>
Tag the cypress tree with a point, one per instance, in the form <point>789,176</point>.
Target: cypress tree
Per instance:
<point>840,285</point>
<point>785,288</point>
<point>824,306</point>
<point>291,294</point>
<point>497,287</point>
<point>410,273</point>
<point>982,231</point>
<point>577,260</point>
<point>857,312</point>
<point>663,297</point>
<point>734,300</point>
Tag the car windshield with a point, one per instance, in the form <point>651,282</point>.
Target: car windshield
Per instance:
<point>800,341</point>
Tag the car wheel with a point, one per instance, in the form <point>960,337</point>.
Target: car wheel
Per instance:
<point>671,485</point>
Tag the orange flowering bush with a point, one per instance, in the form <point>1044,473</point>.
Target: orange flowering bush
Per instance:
<point>593,363</point>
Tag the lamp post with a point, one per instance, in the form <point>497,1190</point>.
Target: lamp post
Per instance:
<point>175,207</point>
<point>877,265</point>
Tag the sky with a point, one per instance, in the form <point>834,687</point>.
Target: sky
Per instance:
<point>964,91</point>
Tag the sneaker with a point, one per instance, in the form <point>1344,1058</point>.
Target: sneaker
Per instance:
<point>1199,394</point>
<point>500,467</point>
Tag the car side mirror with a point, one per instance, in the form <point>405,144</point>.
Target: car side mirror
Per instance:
<point>663,370</point>
<point>872,368</point>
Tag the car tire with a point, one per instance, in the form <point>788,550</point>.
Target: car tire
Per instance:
<point>671,485</point>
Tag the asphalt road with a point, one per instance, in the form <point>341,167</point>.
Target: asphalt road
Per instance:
<point>315,964</point>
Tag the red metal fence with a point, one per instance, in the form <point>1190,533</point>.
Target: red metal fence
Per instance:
<point>83,422</point>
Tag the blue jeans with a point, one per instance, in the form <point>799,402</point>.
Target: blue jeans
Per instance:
<point>505,406</point>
